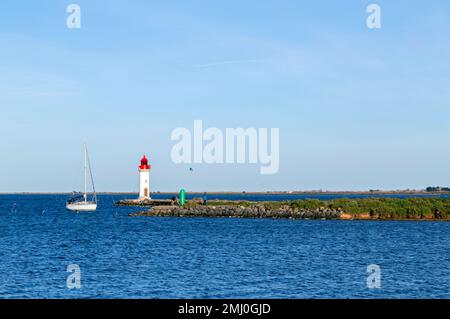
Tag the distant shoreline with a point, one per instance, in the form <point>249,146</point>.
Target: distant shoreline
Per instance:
<point>387,192</point>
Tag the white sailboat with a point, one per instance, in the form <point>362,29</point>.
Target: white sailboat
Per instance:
<point>81,203</point>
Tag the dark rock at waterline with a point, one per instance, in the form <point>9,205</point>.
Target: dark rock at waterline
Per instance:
<point>255,211</point>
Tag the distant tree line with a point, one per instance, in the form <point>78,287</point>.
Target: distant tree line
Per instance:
<point>432,189</point>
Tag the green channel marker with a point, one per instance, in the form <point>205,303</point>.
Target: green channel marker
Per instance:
<point>182,197</point>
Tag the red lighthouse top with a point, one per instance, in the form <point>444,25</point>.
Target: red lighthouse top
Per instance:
<point>144,163</point>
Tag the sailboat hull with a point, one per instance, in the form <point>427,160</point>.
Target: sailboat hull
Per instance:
<point>82,206</point>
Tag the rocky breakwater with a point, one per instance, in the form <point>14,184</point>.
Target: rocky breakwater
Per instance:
<point>235,211</point>
<point>144,202</point>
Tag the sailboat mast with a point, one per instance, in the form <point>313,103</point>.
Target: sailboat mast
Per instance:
<point>90,173</point>
<point>85,173</point>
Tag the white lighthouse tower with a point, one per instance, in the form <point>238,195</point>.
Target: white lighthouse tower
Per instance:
<point>144,179</point>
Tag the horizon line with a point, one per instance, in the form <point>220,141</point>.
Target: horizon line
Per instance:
<point>397,191</point>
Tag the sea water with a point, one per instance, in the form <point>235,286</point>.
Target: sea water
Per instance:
<point>145,257</point>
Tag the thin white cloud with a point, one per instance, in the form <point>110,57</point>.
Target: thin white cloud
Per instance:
<point>219,63</point>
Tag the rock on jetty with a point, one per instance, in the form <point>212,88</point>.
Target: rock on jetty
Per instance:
<point>144,202</point>
<point>254,211</point>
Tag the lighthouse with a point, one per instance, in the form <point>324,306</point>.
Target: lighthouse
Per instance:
<point>144,179</point>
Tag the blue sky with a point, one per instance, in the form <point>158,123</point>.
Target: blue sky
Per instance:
<point>357,108</point>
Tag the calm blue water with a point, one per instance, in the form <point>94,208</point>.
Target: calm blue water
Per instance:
<point>141,257</point>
